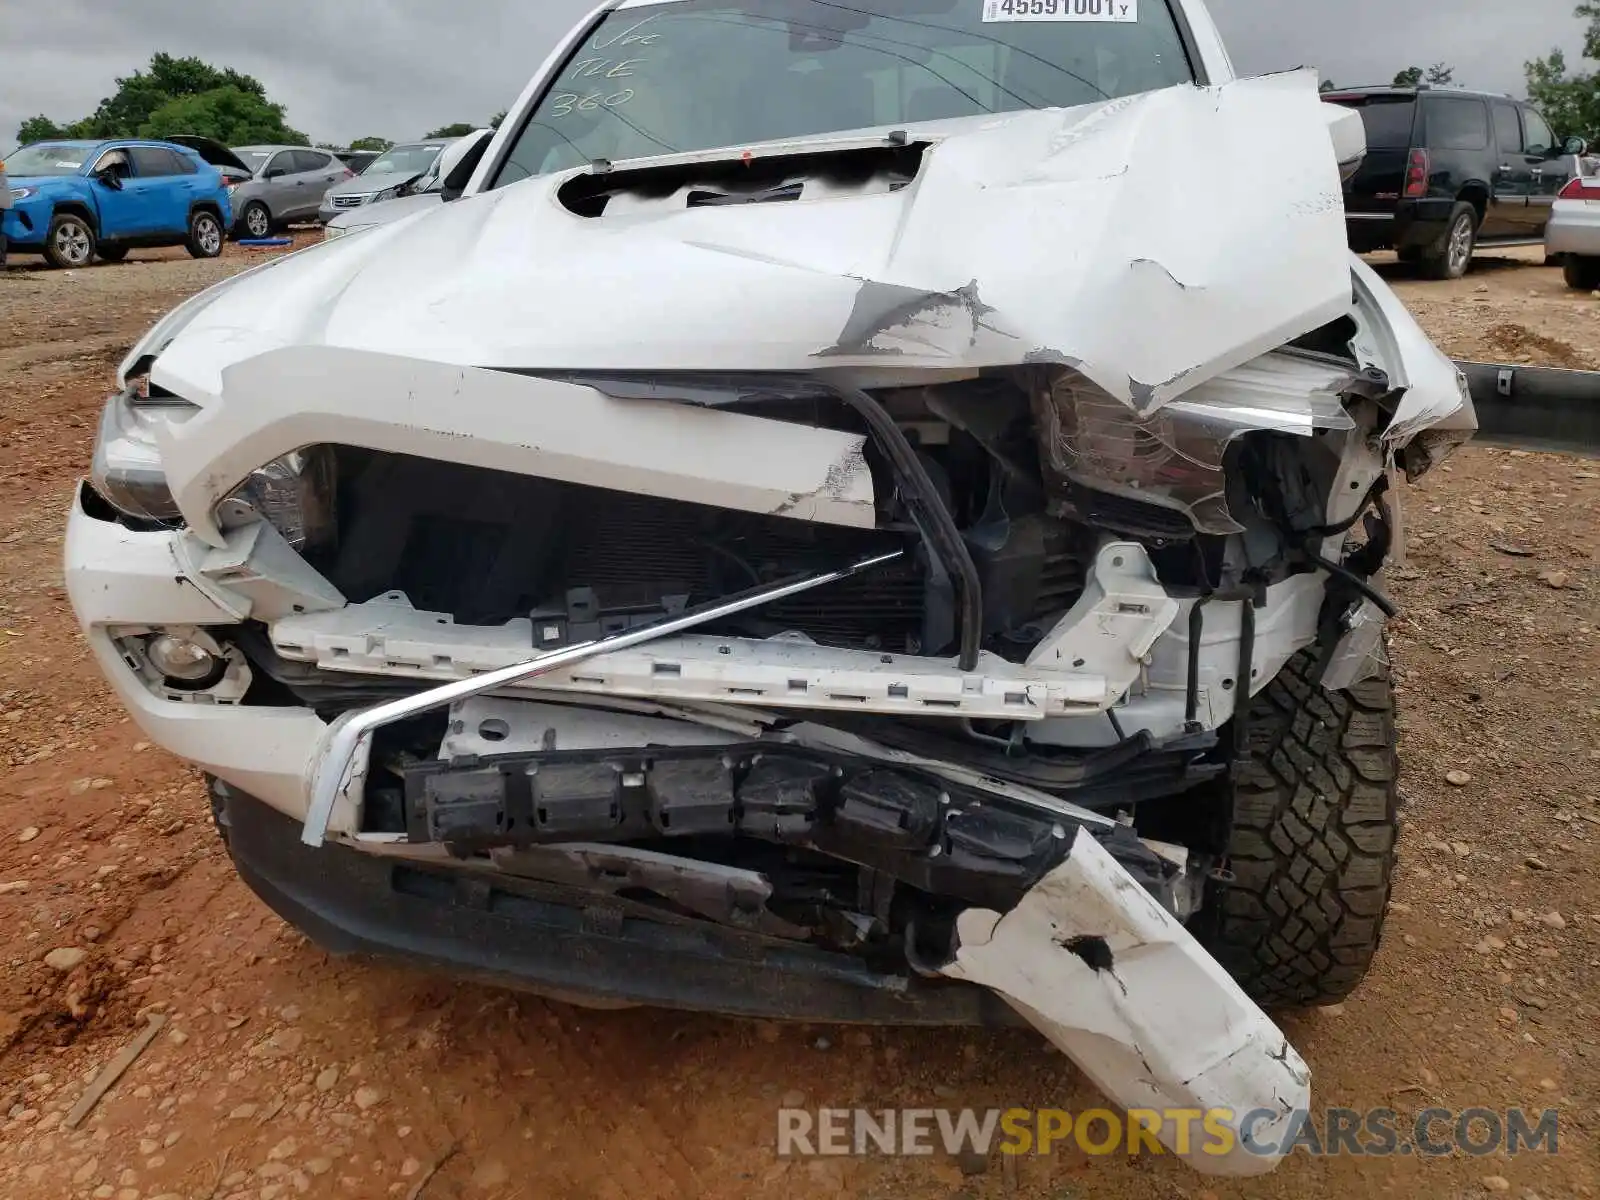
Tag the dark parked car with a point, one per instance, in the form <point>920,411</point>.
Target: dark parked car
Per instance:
<point>1448,170</point>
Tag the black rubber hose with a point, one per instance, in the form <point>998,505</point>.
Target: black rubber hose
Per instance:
<point>928,510</point>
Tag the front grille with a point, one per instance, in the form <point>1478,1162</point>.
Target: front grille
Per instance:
<point>488,546</point>
<point>348,201</point>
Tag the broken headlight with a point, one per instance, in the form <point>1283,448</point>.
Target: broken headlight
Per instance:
<point>127,466</point>
<point>295,495</point>
<point>1173,458</point>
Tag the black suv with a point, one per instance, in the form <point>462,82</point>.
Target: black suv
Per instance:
<point>1448,169</point>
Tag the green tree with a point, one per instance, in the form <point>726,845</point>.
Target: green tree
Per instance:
<point>1410,77</point>
<point>371,143</point>
<point>1439,74</point>
<point>38,129</point>
<point>144,101</point>
<point>230,115</point>
<point>494,121</point>
<point>1327,85</point>
<point>1570,101</point>
<point>459,129</point>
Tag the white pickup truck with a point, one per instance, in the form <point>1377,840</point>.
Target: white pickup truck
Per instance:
<point>862,513</point>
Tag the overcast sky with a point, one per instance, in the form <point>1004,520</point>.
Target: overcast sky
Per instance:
<point>396,68</point>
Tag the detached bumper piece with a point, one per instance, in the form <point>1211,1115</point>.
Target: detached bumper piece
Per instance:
<point>1121,988</point>
<point>915,828</point>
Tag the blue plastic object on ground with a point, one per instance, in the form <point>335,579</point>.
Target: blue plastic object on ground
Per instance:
<point>263,243</point>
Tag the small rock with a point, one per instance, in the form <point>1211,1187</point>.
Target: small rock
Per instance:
<point>1457,778</point>
<point>318,1166</point>
<point>28,834</point>
<point>284,1149</point>
<point>1489,945</point>
<point>1547,1085</point>
<point>242,1113</point>
<point>16,885</point>
<point>1535,863</point>
<point>327,1078</point>
<point>1532,1001</point>
<point>367,1097</point>
<point>1557,580</point>
<point>1461,849</point>
<point>1332,1010</point>
<point>1508,1016</point>
<point>65,958</point>
<point>410,1167</point>
<point>1554,920</point>
<point>823,1043</point>
<point>1497,1183</point>
<point>490,1175</point>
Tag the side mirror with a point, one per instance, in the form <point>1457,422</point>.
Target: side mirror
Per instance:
<point>460,173</point>
<point>274,173</point>
<point>110,178</point>
<point>1576,147</point>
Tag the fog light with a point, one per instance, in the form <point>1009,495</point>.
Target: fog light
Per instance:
<point>182,660</point>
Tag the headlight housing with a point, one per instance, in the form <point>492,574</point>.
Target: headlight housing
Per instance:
<point>23,193</point>
<point>295,493</point>
<point>388,193</point>
<point>127,466</point>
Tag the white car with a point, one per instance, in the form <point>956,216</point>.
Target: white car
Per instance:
<point>1573,232</point>
<point>462,154</point>
<point>828,536</point>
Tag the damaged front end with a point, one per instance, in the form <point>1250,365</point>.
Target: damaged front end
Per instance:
<point>903,658</point>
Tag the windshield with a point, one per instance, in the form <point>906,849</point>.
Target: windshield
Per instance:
<point>48,158</point>
<point>697,74</point>
<point>410,160</point>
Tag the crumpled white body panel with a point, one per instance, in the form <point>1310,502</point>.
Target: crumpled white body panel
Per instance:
<point>1162,1027</point>
<point>1122,239</point>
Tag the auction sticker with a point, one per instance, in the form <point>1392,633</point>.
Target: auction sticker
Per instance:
<point>1061,10</point>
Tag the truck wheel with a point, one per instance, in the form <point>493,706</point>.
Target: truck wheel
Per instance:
<point>1312,840</point>
<point>1451,255</point>
<point>256,221</point>
<point>205,234</point>
<point>1581,272</point>
<point>70,241</point>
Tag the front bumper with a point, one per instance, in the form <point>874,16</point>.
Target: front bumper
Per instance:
<point>545,939</point>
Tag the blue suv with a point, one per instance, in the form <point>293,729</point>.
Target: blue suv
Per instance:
<point>73,201</point>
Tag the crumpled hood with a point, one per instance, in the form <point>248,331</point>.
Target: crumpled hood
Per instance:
<point>1152,242</point>
<point>362,184</point>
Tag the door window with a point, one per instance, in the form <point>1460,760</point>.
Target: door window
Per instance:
<point>151,162</point>
<point>282,162</point>
<point>1457,124</point>
<point>310,160</point>
<point>1507,129</point>
<point>1539,140</point>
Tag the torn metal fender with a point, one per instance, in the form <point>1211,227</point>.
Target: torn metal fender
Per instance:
<point>1436,401</point>
<point>1112,979</point>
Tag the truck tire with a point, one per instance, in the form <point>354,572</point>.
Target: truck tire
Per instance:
<point>1581,272</point>
<point>205,234</point>
<point>1315,817</point>
<point>1451,255</point>
<point>69,242</point>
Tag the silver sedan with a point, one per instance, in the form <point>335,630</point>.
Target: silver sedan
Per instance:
<point>1573,232</point>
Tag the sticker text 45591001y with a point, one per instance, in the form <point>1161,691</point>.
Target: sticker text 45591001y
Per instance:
<point>1120,11</point>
